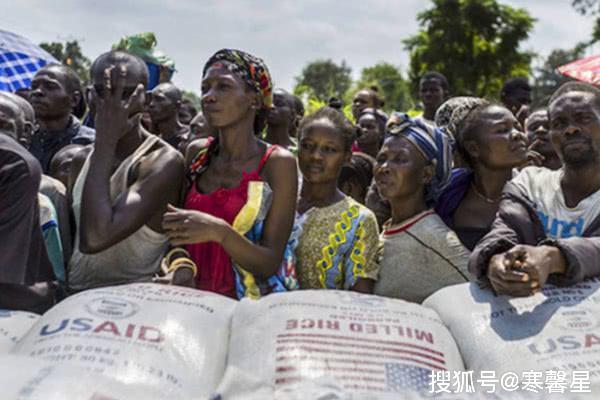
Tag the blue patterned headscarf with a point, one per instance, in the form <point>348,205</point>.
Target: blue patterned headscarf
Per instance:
<point>433,144</point>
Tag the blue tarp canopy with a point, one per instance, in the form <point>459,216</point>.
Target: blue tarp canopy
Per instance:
<point>19,61</point>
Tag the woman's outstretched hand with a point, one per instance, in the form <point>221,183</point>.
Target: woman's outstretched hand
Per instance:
<point>189,226</point>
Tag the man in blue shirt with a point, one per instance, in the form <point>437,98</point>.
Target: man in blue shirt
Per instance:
<point>55,90</point>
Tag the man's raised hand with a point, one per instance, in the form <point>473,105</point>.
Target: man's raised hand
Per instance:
<point>115,107</point>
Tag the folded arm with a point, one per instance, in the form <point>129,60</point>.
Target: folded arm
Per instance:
<point>104,222</point>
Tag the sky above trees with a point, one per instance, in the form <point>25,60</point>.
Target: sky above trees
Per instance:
<point>287,34</point>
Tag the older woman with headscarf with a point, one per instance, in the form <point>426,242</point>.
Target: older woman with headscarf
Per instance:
<point>421,254</point>
<point>447,118</point>
<point>239,206</point>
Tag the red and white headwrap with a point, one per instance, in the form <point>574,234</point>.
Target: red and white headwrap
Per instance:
<point>249,68</point>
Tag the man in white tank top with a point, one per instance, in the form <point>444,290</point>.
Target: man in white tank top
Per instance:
<point>121,186</point>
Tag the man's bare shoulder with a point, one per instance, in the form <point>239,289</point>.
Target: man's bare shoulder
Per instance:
<point>83,153</point>
<point>162,161</point>
<point>79,159</point>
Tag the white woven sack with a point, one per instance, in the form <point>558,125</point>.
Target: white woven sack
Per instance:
<point>25,378</point>
<point>359,343</point>
<point>174,339</point>
<point>558,329</point>
<point>13,325</point>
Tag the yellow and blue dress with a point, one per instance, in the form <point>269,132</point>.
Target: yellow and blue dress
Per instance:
<point>336,245</point>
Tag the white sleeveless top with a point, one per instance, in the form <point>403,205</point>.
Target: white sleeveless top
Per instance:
<point>134,259</point>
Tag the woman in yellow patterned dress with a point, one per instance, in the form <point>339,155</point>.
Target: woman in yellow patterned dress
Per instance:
<point>337,239</point>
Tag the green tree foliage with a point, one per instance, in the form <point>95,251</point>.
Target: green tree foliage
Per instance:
<point>323,79</point>
<point>586,6</point>
<point>547,78</point>
<point>590,7</point>
<point>393,88</point>
<point>474,43</point>
<point>70,54</point>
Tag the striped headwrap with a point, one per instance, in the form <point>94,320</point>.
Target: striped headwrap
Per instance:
<point>249,68</point>
<point>433,144</point>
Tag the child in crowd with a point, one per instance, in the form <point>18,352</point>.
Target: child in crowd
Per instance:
<point>366,98</point>
<point>371,128</point>
<point>356,176</point>
<point>338,245</point>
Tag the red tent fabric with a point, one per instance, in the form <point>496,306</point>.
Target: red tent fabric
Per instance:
<point>586,70</point>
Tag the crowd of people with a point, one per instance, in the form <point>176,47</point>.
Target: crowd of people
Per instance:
<point>250,196</point>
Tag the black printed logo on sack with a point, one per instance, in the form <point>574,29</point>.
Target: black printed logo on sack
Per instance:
<point>110,307</point>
